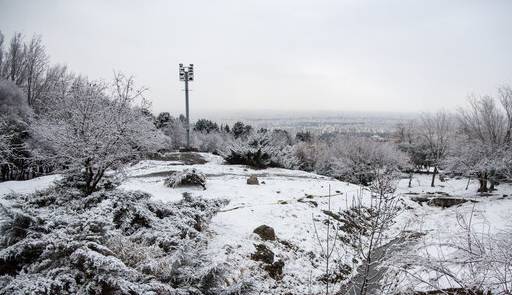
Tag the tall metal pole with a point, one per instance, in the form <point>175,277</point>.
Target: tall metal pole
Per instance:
<point>186,103</point>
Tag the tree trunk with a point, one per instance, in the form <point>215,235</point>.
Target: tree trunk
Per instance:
<point>492,180</point>
<point>434,176</point>
<point>410,179</point>
<point>483,182</point>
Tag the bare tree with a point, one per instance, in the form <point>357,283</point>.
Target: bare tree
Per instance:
<point>505,94</point>
<point>435,131</point>
<point>36,65</point>
<point>487,123</point>
<point>1,52</point>
<point>14,67</point>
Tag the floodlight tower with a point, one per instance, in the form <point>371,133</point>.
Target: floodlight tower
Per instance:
<point>187,74</point>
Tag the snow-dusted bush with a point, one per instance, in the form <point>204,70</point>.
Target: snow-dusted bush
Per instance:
<point>186,177</point>
<point>313,156</point>
<point>261,150</point>
<point>109,242</point>
<point>358,159</point>
<point>213,142</point>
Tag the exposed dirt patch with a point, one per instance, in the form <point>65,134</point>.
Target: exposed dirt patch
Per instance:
<point>442,202</point>
<point>187,158</point>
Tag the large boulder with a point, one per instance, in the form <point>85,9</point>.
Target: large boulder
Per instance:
<point>253,180</point>
<point>263,254</point>
<point>265,232</point>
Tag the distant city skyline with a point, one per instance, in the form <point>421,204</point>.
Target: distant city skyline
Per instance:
<point>372,56</point>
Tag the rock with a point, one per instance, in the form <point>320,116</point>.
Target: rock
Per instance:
<point>275,270</point>
<point>263,254</point>
<point>265,232</point>
<point>309,202</point>
<point>253,180</point>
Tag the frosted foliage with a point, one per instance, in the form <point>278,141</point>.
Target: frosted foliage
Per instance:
<point>110,242</point>
<point>262,149</point>
<point>186,177</point>
<point>213,142</point>
<point>94,130</point>
<point>359,159</point>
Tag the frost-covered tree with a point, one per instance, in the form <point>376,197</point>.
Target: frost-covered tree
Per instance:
<point>241,130</point>
<point>436,132</point>
<point>15,116</point>
<point>13,64</point>
<point>214,142</point>
<point>53,87</point>
<point>36,65</point>
<point>163,119</point>
<point>485,138</point>
<point>98,127</point>
<point>174,128</point>
<point>25,63</point>
<point>206,126</point>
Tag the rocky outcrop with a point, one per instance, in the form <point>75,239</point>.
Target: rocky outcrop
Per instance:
<point>263,254</point>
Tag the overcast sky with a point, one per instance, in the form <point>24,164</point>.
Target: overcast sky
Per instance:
<point>282,55</point>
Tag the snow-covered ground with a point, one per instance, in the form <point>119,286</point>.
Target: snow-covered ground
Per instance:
<point>289,201</point>
<point>27,186</point>
<point>279,201</point>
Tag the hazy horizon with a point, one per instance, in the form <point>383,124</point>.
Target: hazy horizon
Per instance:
<point>402,56</point>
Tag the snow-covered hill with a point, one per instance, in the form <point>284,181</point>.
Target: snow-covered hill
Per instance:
<point>292,203</point>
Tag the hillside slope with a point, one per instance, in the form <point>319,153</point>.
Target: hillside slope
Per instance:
<point>294,203</point>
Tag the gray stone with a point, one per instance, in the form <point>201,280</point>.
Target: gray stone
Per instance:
<point>253,180</point>
<point>265,232</point>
